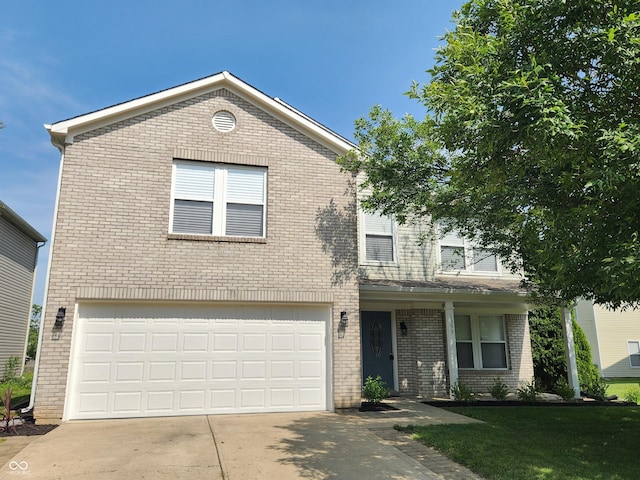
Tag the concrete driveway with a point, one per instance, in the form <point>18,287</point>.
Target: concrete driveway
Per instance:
<point>318,445</point>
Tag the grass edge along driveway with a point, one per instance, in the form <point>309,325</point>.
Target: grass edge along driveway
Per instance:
<point>545,443</point>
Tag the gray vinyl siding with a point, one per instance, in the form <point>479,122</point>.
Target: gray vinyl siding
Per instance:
<point>18,253</point>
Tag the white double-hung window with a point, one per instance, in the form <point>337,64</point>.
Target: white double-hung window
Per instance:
<point>218,199</point>
<point>458,254</point>
<point>481,341</point>
<point>379,238</point>
<point>634,353</point>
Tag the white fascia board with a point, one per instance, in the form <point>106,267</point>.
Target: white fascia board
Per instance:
<point>430,294</point>
<point>68,129</point>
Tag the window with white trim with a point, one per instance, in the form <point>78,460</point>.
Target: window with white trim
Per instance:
<point>379,232</point>
<point>218,199</point>
<point>481,342</point>
<point>634,353</point>
<point>458,254</point>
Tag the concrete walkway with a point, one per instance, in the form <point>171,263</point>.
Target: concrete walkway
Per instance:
<point>319,445</point>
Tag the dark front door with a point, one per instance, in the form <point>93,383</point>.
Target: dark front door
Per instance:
<point>377,348</point>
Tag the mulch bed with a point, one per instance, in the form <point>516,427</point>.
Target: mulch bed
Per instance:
<point>27,429</point>
<point>517,403</point>
<point>376,407</point>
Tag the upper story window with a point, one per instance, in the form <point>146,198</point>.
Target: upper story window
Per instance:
<point>481,341</point>
<point>458,254</point>
<point>634,353</point>
<point>379,233</point>
<point>218,199</point>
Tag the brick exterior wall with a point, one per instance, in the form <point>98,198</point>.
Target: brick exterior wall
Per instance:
<point>422,368</point>
<point>520,360</point>
<point>112,242</point>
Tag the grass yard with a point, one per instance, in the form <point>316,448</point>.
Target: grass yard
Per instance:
<point>620,386</point>
<point>21,389</point>
<point>545,443</point>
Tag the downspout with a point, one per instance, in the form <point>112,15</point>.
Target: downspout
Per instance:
<point>36,367</point>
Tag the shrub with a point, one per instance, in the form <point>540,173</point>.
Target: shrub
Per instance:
<point>7,418</point>
<point>374,389</point>
<point>632,395</point>
<point>547,348</point>
<point>462,392</point>
<point>563,389</point>
<point>11,369</point>
<point>528,392</point>
<point>498,389</point>
<point>597,388</point>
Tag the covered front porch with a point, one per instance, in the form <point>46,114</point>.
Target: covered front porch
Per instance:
<point>422,338</point>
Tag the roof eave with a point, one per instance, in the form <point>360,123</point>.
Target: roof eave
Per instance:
<point>64,132</point>
<point>20,223</point>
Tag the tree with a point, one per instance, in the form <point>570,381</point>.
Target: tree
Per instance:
<point>530,145</point>
<point>34,329</point>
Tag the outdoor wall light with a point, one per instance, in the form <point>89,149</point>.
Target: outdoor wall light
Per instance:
<point>344,320</point>
<point>404,330</point>
<point>62,311</point>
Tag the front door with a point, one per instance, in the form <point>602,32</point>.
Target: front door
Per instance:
<point>377,347</point>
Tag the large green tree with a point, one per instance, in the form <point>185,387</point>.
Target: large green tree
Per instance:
<point>530,144</point>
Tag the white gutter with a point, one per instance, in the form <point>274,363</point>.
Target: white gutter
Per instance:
<point>36,367</point>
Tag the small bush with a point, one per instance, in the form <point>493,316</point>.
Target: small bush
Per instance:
<point>498,390</point>
<point>10,369</point>
<point>597,388</point>
<point>462,392</point>
<point>632,395</point>
<point>528,392</point>
<point>563,389</point>
<point>374,389</point>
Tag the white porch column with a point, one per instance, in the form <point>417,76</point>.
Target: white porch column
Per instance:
<point>450,328</point>
<point>570,352</point>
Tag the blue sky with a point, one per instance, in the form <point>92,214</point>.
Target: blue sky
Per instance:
<point>331,59</point>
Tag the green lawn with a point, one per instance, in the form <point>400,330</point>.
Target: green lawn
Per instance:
<point>21,389</point>
<point>619,386</point>
<point>545,443</point>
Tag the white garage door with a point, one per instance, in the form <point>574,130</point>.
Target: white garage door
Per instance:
<point>150,360</point>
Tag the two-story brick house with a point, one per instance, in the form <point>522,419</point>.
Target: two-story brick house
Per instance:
<point>208,257</point>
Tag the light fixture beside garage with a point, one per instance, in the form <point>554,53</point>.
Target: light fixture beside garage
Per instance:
<point>62,311</point>
<point>344,319</point>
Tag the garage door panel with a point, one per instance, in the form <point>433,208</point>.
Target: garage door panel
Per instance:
<point>160,402</point>
<point>195,342</point>
<point>161,371</point>
<point>151,361</point>
<point>164,342</point>
<point>129,372</point>
<point>225,342</point>
<point>223,400</point>
<point>132,342</point>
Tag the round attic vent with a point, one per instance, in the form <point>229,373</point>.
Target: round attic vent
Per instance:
<point>224,121</point>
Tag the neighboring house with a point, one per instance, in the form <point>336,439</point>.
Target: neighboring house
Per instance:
<point>19,244</point>
<point>206,255</point>
<point>614,338</point>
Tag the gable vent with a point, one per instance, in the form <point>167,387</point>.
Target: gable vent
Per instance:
<point>224,121</point>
